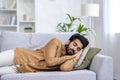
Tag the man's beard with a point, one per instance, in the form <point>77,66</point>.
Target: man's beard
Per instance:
<point>68,50</point>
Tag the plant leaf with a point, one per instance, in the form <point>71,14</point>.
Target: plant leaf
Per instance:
<point>68,27</point>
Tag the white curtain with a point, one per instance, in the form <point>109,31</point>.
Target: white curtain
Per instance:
<point>106,27</point>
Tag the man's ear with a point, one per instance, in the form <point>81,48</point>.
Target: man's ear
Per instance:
<point>68,42</point>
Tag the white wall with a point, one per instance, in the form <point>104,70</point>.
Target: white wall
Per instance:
<point>51,12</point>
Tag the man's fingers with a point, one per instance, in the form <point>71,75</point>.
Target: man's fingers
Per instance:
<point>78,54</point>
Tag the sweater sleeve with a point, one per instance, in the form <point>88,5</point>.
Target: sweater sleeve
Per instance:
<point>51,51</point>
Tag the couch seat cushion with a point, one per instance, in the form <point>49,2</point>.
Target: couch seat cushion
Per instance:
<point>72,75</point>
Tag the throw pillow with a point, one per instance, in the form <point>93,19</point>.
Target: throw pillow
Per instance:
<point>88,58</point>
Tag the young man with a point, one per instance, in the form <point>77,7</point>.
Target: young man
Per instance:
<point>53,56</point>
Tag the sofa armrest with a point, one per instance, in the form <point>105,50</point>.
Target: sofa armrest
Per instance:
<point>103,67</point>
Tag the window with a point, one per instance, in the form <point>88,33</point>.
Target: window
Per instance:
<point>114,15</point>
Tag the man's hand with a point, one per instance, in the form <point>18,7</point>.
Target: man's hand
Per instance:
<point>77,55</point>
<point>71,62</point>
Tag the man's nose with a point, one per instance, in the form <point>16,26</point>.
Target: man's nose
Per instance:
<point>75,48</point>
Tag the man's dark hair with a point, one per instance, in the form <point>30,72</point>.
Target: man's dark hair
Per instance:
<point>83,40</point>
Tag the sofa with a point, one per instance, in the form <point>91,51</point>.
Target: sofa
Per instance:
<point>101,67</point>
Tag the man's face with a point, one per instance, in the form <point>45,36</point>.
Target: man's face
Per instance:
<point>73,47</point>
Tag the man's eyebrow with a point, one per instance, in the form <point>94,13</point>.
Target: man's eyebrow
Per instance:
<point>75,43</point>
<point>78,46</point>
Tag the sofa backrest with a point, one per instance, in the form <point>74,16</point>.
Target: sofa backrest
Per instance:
<point>40,39</point>
<point>11,40</point>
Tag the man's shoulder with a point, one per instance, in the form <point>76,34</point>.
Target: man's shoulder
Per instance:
<point>56,39</point>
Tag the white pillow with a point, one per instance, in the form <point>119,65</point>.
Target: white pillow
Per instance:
<point>82,56</point>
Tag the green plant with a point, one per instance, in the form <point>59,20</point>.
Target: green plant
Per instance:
<point>82,29</point>
<point>71,26</point>
<point>28,29</point>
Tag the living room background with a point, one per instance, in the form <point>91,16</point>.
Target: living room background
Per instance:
<point>50,12</point>
<point>54,11</point>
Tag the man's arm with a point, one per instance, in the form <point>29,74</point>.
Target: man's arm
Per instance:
<point>50,53</point>
<point>69,64</point>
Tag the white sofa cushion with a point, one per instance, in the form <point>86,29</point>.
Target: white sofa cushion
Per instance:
<point>55,75</point>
